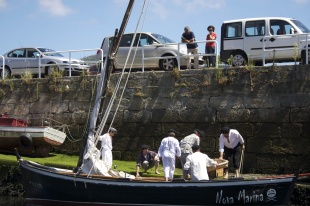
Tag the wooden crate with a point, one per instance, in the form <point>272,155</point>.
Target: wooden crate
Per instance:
<point>219,170</point>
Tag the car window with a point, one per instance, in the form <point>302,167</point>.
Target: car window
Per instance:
<point>50,50</point>
<point>162,39</point>
<point>32,53</point>
<point>281,27</point>
<point>143,39</point>
<point>255,28</point>
<point>126,40</point>
<point>18,53</point>
<point>233,30</point>
<point>301,26</point>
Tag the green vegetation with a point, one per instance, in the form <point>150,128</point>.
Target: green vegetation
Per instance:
<point>26,76</point>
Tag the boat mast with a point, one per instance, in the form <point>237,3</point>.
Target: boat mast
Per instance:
<point>104,77</point>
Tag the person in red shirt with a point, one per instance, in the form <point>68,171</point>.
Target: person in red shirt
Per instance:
<point>210,46</point>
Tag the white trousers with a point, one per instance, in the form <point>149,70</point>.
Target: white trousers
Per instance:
<point>169,166</point>
<point>107,157</point>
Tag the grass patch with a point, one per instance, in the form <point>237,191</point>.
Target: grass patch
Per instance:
<point>70,161</point>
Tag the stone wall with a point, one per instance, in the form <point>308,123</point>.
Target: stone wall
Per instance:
<point>269,106</point>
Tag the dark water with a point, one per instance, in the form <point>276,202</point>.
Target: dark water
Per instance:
<point>11,201</point>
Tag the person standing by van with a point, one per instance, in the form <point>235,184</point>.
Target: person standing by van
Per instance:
<point>188,37</point>
<point>210,46</point>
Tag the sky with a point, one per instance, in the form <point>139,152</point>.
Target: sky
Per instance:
<point>82,24</point>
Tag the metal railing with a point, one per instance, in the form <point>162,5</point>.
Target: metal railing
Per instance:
<point>67,51</point>
<point>178,54</point>
<point>265,38</point>
<point>3,69</point>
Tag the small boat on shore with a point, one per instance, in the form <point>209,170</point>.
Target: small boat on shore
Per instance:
<point>30,140</point>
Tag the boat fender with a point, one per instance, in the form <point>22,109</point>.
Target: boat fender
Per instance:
<point>25,140</point>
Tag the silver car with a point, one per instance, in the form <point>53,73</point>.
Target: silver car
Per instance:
<point>155,45</point>
<point>20,60</point>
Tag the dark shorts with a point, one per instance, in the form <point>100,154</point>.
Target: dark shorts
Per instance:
<point>233,155</point>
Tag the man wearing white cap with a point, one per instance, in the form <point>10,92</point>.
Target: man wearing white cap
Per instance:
<point>106,146</point>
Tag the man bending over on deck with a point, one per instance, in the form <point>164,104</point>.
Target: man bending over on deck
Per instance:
<point>147,159</point>
<point>197,163</point>
<point>231,143</point>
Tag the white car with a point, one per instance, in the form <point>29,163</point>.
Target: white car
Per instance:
<point>19,60</point>
<point>155,45</point>
<point>284,40</point>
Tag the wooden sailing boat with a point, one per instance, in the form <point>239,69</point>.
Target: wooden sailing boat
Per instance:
<point>94,184</point>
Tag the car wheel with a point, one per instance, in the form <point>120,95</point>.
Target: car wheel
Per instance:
<point>167,64</point>
<point>7,72</point>
<point>239,59</point>
<point>50,69</point>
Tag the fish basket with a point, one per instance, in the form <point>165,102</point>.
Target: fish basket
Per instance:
<point>217,171</point>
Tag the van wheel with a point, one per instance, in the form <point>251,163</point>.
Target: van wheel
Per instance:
<point>167,64</point>
<point>239,59</point>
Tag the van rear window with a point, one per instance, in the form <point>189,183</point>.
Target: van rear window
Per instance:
<point>233,30</point>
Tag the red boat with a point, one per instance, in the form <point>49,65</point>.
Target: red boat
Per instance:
<point>30,140</point>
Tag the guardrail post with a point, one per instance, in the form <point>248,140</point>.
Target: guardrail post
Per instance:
<point>178,58</point>
<point>143,58</point>
<point>307,50</point>
<point>2,66</point>
<point>69,63</point>
<point>39,66</point>
<point>264,51</point>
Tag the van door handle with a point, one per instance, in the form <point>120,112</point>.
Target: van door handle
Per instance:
<point>272,39</point>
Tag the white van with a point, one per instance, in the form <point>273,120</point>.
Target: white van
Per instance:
<point>282,38</point>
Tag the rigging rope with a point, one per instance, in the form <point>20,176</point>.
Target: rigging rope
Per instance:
<point>107,112</point>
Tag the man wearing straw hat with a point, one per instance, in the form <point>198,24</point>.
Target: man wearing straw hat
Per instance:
<point>232,144</point>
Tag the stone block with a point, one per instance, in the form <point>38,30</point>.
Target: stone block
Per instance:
<point>165,116</point>
<point>300,114</point>
<point>269,115</point>
<point>291,130</point>
<point>198,115</point>
<point>137,116</point>
<point>59,106</point>
<point>258,145</point>
<point>291,146</point>
<point>39,108</point>
<point>263,130</point>
<point>228,102</point>
<point>299,100</point>
<point>261,102</point>
<point>233,115</point>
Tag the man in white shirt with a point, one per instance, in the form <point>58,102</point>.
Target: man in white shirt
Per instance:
<point>197,163</point>
<point>231,143</point>
<point>169,149</point>
<point>106,146</point>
